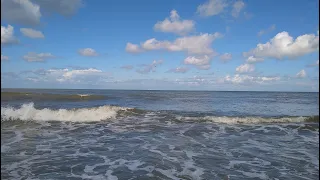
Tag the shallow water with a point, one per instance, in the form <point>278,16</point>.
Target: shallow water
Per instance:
<point>161,135</point>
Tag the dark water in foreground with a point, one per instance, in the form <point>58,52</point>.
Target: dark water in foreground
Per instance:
<point>109,134</point>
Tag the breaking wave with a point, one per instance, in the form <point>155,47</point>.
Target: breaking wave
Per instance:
<point>27,112</point>
<point>250,120</point>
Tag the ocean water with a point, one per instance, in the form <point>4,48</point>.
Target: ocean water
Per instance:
<point>122,134</point>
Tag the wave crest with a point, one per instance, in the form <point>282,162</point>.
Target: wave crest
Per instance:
<point>29,112</point>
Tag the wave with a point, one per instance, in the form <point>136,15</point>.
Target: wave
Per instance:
<point>7,96</point>
<point>27,112</point>
<point>250,120</point>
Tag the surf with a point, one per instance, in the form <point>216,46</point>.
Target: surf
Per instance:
<point>28,112</point>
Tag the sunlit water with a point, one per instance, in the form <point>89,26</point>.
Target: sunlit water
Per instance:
<point>160,135</point>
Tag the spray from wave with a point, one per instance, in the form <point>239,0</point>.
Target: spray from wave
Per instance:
<point>29,112</point>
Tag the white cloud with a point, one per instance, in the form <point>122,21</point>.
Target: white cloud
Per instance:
<point>264,31</point>
<point>87,75</point>
<point>33,79</point>
<point>201,62</point>
<point>87,52</point>
<point>4,58</point>
<point>34,57</point>
<point>179,70</point>
<point>246,79</point>
<point>149,67</point>
<point>301,74</point>
<point>21,12</point>
<point>252,59</point>
<point>236,8</point>
<point>133,48</point>
<point>63,7</point>
<point>245,68</point>
<point>200,44</point>
<point>174,24</point>
<point>31,33</point>
<point>225,57</point>
<point>27,12</point>
<point>212,7</point>
<point>193,81</point>
<point>283,45</point>
<point>7,35</point>
<point>72,73</point>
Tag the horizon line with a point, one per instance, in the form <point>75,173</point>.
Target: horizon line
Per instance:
<point>164,90</point>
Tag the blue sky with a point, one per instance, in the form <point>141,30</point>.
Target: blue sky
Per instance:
<point>169,44</point>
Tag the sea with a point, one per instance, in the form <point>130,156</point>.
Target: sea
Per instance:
<point>145,134</point>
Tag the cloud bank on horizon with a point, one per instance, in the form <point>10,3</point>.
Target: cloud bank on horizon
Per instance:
<point>199,45</point>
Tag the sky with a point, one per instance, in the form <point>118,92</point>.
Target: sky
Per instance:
<point>218,45</point>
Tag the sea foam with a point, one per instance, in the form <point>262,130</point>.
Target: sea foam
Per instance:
<point>29,112</point>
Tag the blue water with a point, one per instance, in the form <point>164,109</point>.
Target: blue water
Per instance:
<point>160,135</point>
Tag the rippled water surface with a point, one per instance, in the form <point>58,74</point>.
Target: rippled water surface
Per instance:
<point>159,135</point>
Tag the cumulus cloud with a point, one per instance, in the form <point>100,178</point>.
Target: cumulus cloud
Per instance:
<point>65,75</point>
<point>284,46</point>
<point>72,73</point>
<point>4,58</point>
<point>174,24</point>
<point>225,57</point>
<point>147,68</point>
<point>34,57</point>
<point>246,79</point>
<point>7,35</point>
<point>27,12</point>
<point>236,8</point>
<point>200,44</point>
<point>87,52</point>
<point>21,12</point>
<point>63,7</point>
<point>179,70</point>
<point>31,33</point>
<point>264,31</point>
<point>201,62</point>
<point>252,59</point>
<point>127,67</point>
<point>301,74</point>
<point>192,81</point>
<point>133,48</point>
<point>245,68</point>
<point>212,7</point>
<point>33,79</point>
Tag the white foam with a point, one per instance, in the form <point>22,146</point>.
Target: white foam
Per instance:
<point>260,175</point>
<point>245,120</point>
<point>110,176</point>
<point>29,112</point>
<point>84,95</point>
